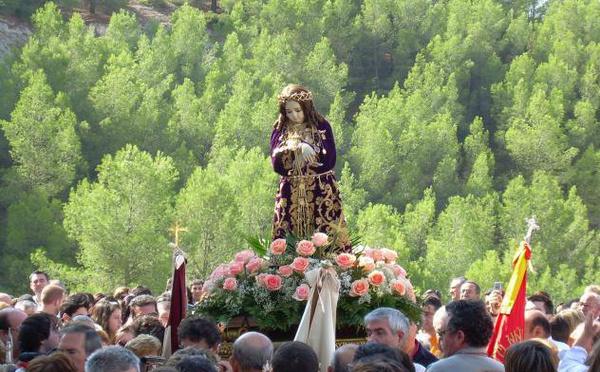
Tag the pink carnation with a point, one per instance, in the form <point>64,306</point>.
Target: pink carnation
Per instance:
<point>345,260</point>
<point>260,279</point>
<point>319,239</point>
<point>389,255</point>
<point>300,264</point>
<point>278,246</point>
<point>302,292</point>
<point>376,254</point>
<point>220,271</point>
<point>359,287</point>
<point>236,268</point>
<point>230,284</point>
<point>399,271</point>
<point>305,248</point>
<point>273,282</point>
<point>285,271</point>
<point>376,278</point>
<point>254,265</point>
<point>244,256</point>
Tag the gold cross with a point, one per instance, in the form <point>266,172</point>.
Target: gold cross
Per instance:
<point>176,229</point>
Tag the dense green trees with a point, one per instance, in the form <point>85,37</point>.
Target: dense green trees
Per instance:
<point>455,120</point>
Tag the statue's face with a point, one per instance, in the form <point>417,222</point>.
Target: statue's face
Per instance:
<point>294,112</point>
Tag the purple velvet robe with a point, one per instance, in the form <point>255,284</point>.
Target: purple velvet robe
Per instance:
<point>308,201</point>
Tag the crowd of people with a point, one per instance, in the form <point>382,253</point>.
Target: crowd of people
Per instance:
<point>50,330</point>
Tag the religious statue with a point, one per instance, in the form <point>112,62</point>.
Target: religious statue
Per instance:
<point>303,153</point>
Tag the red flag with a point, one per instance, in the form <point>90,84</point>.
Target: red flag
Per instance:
<point>178,306</point>
<point>510,325</point>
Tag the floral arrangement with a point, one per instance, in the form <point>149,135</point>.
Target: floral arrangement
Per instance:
<point>268,284</point>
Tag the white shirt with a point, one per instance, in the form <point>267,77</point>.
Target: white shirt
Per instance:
<point>573,360</point>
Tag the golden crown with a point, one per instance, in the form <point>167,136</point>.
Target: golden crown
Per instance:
<point>296,96</point>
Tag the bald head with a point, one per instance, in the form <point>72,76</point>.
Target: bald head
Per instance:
<point>342,357</point>
<point>251,351</point>
<point>590,303</point>
<point>10,322</point>
<point>536,325</point>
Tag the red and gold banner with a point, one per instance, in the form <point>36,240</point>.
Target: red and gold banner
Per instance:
<point>510,325</point>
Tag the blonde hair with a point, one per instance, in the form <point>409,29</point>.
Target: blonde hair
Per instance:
<point>144,345</point>
<point>51,293</point>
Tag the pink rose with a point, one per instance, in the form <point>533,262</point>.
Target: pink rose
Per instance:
<point>260,279</point>
<point>399,271</point>
<point>305,248</point>
<point>345,260</point>
<point>230,284</point>
<point>254,265</point>
<point>377,255</point>
<point>366,263</point>
<point>285,271</point>
<point>319,239</point>
<point>389,255</point>
<point>359,288</point>
<point>302,292</point>
<point>376,278</point>
<point>300,264</point>
<point>273,282</point>
<point>244,256</point>
<point>236,268</point>
<point>398,286</point>
<point>278,246</point>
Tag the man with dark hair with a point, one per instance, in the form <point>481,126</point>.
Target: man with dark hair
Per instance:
<point>295,356</point>
<point>113,359</point>
<point>76,304</point>
<point>541,300</point>
<point>196,288</point>
<point>200,333</point>
<point>371,349</point>
<point>10,321</point>
<point>427,336</point>
<point>38,335</point>
<point>464,330</point>
<point>148,325</point>
<point>142,305</point>
<point>470,290</point>
<point>455,287</point>
<point>37,281</point>
<point>78,342</point>
<point>342,357</point>
<point>252,351</point>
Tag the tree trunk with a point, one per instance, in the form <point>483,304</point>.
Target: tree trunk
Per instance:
<point>213,5</point>
<point>92,6</point>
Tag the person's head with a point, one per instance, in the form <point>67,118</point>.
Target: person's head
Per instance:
<point>196,289</point>
<point>10,321</point>
<point>148,325</point>
<point>140,290</point>
<point>144,345</point>
<point>55,362</point>
<point>28,307</point>
<point>463,323</point>
<point>251,352</point>
<point>455,287</point>
<point>536,325</point>
<point>295,356</point>
<point>529,355</point>
<point>188,352</point>
<point>78,341</point>
<point>37,281</point>
<point>196,363</point>
<point>52,298</point>
<point>163,304</point>
<point>124,335</point>
<point>387,326</point>
<point>142,305</point>
<point>76,304</point>
<point>542,302</point>
<point>107,314</point>
<point>200,333</point>
<point>430,306</point>
<point>559,328</point>
<point>595,288</point>
<point>470,290</point>
<point>112,359</point>
<point>38,333</point>
<point>572,317</point>
<point>379,364</point>
<point>372,350</point>
<point>493,301</point>
<point>342,357</point>
<point>590,303</point>
<point>5,298</point>
<point>296,106</point>
<point>120,293</point>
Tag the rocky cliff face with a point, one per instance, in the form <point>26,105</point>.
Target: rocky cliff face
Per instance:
<point>13,33</point>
